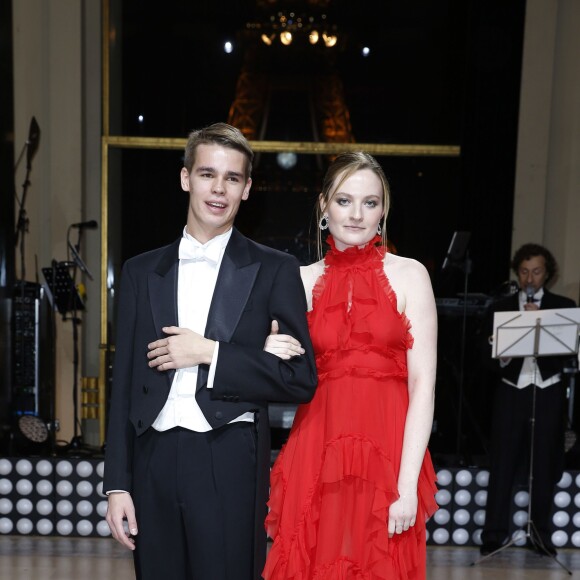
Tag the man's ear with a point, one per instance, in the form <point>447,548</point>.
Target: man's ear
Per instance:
<point>184,177</point>
<point>246,193</point>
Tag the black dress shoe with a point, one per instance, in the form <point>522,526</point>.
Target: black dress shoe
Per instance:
<point>489,547</point>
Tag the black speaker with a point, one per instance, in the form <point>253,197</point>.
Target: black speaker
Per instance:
<point>33,358</point>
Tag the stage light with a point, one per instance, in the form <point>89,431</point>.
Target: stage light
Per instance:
<point>463,477</point>
<point>462,497</point>
<point>24,506</point>
<point>286,159</point>
<point>482,478</point>
<point>441,516</point>
<point>562,499</point>
<point>44,527</point>
<point>33,428</point>
<point>64,468</point>
<point>84,469</point>
<point>23,486</point>
<point>84,488</point>
<point>286,38</point>
<point>444,477</point>
<point>64,507</point>
<point>313,37</point>
<point>84,508</point>
<point>44,468</point>
<point>479,517</point>
<point>64,527</point>
<point>84,528</point>
<point>23,467</point>
<point>44,507</point>
<point>5,467</point>
<point>268,40</point>
<point>24,526</point>
<point>561,519</point>
<point>366,51</point>
<point>44,487</point>
<point>559,538</point>
<point>440,536</point>
<point>330,40</point>
<point>460,536</point>
<point>64,488</point>
<point>480,498</point>
<point>565,481</point>
<point>103,529</point>
<point>443,497</point>
<point>5,506</point>
<point>228,47</point>
<point>520,518</point>
<point>522,498</point>
<point>102,507</point>
<point>461,517</point>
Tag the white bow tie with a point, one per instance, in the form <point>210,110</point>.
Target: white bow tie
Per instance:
<point>188,250</point>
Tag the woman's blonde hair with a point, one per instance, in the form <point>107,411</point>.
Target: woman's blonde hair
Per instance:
<point>345,165</point>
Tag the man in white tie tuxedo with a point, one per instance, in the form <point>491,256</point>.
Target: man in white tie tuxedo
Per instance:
<point>517,379</point>
<point>187,454</point>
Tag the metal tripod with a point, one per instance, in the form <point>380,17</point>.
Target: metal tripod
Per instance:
<point>531,532</point>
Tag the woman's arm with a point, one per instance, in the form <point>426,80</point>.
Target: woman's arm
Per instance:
<point>413,288</point>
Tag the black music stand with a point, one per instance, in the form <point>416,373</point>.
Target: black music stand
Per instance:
<point>64,294</point>
<point>534,333</point>
<point>458,257</point>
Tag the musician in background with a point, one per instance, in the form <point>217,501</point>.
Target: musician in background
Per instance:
<point>534,266</point>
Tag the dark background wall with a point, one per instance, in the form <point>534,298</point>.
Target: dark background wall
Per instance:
<point>444,72</point>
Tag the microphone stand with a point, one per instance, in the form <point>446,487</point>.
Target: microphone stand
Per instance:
<point>76,442</point>
<point>22,224</point>
<point>466,267</point>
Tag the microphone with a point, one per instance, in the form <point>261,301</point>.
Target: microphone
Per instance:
<point>90,225</point>
<point>530,294</point>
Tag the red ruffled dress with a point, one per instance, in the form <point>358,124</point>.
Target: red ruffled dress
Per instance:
<point>334,480</point>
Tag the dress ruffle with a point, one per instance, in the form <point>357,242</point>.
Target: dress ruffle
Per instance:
<point>344,458</point>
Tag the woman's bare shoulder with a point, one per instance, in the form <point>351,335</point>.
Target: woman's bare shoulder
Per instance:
<point>408,278</point>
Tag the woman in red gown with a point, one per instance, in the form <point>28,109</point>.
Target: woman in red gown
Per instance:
<point>352,488</point>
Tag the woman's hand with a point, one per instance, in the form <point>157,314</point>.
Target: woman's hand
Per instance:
<point>282,345</point>
<point>402,514</point>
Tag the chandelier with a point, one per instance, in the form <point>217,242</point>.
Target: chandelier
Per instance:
<point>290,27</point>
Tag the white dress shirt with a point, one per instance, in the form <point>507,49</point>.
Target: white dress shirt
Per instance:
<point>195,287</point>
<point>530,374</point>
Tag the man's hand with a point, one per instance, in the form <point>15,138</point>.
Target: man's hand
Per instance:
<point>183,348</point>
<point>528,306</point>
<point>121,507</point>
<point>282,345</point>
